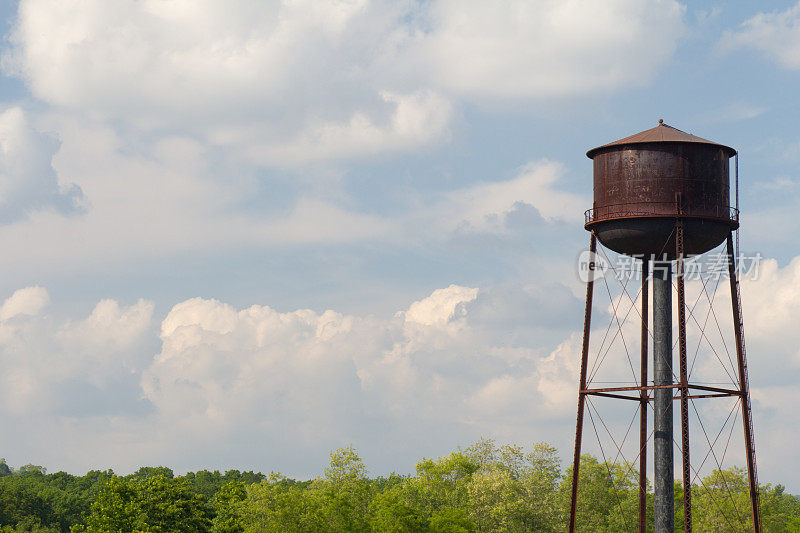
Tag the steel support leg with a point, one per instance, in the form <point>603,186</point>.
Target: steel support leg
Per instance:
<point>587,321</point>
<point>643,402</point>
<point>747,417</point>
<point>687,474</point>
<point>663,488</point>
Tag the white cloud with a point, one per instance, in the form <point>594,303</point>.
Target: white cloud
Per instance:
<point>281,82</point>
<point>180,55</point>
<point>255,384</point>
<point>166,199</point>
<point>292,82</point>
<point>51,365</point>
<point>418,120</point>
<point>772,303</point>
<point>486,207</point>
<point>266,388</point>
<point>306,381</point>
<point>549,48</point>
<point>440,307</point>
<point>775,34</point>
<point>27,301</point>
<point>109,327</point>
<point>28,182</point>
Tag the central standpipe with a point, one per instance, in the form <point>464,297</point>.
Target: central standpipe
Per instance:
<point>663,485</point>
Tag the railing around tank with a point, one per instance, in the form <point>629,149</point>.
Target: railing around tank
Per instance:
<point>661,209</point>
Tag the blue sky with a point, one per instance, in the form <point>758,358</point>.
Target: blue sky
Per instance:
<point>241,234</point>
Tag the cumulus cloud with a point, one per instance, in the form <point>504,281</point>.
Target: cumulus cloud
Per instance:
<point>548,48</point>
<point>269,388</point>
<point>165,200</point>
<point>188,208</point>
<point>27,301</point>
<point>49,364</point>
<point>281,82</point>
<point>312,380</point>
<point>28,182</point>
<point>417,120</point>
<point>292,82</point>
<point>776,34</point>
<point>440,307</point>
<point>773,303</point>
<point>770,305</point>
<point>532,197</point>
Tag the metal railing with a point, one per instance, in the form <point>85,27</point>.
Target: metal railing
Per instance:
<point>660,209</point>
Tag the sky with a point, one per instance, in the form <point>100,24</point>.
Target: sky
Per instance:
<point>242,234</point>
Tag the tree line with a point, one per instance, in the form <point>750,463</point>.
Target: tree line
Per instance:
<point>483,488</point>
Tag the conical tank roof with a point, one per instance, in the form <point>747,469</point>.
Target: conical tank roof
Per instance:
<point>661,134</point>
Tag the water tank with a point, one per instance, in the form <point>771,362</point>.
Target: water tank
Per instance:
<point>644,182</point>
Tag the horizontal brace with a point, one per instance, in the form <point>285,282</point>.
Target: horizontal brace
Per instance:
<point>609,395</point>
<point>719,395</point>
<point>729,392</point>
<point>699,396</point>
<point>637,388</point>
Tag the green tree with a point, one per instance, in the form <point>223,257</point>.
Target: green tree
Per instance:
<point>154,504</point>
<point>391,513</point>
<point>277,505</point>
<point>513,491</point>
<point>443,483</point>
<point>780,511</point>
<point>20,505</point>
<point>227,504</point>
<point>483,488</point>
<point>33,470</point>
<point>153,471</point>
<point>607,496</point>
<point>449,520</point>
<point>343,494</point>
<point>721,503</point>
<point>117,509</point>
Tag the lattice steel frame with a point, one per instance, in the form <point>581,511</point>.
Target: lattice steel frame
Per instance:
<point>687,390</point>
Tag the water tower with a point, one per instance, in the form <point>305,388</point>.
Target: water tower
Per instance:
<point>660,196</point>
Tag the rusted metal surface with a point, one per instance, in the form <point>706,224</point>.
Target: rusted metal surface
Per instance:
<point>699,396</point>
<point>663,195</point>
<point>587,323</point>
<point>642,182</point>
<point>591,392</point>
<point>637,236</point>
<point>643,401</point>
<point>623,211</point>
<point>611,395</point>
<point>672,386</point>
<point>684,396</point>
<point>657,177</point>
<point>744,386</point>
<point>661,133</point>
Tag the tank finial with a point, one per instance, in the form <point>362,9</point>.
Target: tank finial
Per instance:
<point>661,122</point>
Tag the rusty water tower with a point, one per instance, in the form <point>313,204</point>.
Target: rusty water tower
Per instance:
<point>662,195</point>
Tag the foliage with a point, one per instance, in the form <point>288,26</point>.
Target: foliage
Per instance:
<point>154,504</point>
<point>5,470</point>
<point>483,488</point>
<point>721,503</point>
<point>607,496</point>
<point>227,503</point>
